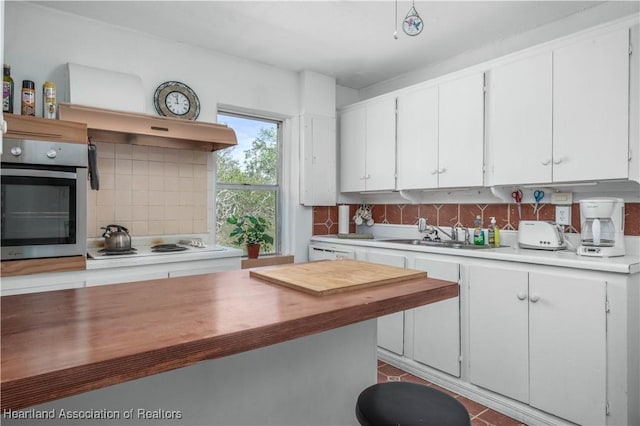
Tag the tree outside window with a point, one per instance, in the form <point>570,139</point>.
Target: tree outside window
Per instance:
<point>248,176</point>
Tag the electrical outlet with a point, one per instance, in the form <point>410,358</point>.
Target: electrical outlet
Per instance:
<point>562,198</point>
<point>563,215</point>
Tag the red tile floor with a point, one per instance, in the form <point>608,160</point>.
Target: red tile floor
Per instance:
<point>480,415</point>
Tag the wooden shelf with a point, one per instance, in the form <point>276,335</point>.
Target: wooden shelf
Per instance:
<point>27,127</point>
<point>111,126</point>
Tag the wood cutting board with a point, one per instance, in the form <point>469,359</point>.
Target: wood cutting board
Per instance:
<point>333,276</point>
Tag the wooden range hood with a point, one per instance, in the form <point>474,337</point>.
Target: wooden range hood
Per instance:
<point>105,125</point>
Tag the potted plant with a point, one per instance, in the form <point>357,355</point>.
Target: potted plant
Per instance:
<point>250,230</point>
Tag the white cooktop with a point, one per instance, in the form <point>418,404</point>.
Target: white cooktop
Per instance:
<point>142,250</point>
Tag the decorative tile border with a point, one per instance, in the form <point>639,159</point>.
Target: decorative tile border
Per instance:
<point>325,219</point>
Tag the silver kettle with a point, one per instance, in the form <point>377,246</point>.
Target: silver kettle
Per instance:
<point>116,238</point>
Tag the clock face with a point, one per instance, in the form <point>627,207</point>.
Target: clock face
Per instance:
<point>177,103</point>
<point>175,99</point>
<point>412,25</point>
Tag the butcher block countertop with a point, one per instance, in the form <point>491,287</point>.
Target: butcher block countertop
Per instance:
<point>62,343</point>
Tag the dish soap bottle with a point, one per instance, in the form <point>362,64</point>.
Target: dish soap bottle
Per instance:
<point>478,232</point>
<point>493,234</point>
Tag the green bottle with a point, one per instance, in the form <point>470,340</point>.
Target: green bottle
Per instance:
<point>478,232</point>
<point>7,90</point>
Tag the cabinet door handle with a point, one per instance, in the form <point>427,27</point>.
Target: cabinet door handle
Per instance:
<point>442,170</point>
<point>367,176</point>
<point>546,162</point>
<point>534,298</point>
<point>522,296</point>
<point>435,172</point>
<point>558,161</point>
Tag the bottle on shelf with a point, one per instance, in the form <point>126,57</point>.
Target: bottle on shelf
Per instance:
<point>7,90</point>
<point>49,105</point>
<point>28,104</point>
<point>478,232</point>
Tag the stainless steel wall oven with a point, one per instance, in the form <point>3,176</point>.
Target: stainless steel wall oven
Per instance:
<point>44,199</point>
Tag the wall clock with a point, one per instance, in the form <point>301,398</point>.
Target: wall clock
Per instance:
<point>175,99</point>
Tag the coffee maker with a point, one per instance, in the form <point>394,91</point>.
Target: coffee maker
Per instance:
<point>602,227</point>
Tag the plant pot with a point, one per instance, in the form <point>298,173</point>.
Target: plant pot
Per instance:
<point>253,250</point>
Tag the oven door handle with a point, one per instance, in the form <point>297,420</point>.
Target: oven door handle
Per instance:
<point>38,173</point>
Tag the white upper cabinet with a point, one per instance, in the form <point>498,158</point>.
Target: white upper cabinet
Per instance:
<point>318,160</point>
<point>368,146</point>
<point>519,121</point>
<point>461,132</point>
<point>352,149</point>
<point>591,108</point>
<point>418,139</point>
<point>381,145</point>
<point>554,116</point>
<point>441,135</point>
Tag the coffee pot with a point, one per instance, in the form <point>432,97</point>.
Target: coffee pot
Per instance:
<point>602,222</point>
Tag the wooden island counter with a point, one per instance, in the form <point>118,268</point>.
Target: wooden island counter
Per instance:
<point>240,338</point>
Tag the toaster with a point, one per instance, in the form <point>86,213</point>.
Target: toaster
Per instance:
<point>541,235</point>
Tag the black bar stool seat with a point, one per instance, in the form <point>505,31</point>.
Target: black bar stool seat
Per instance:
<point>407,404</point>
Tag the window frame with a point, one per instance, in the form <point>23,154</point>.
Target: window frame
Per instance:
<point>277,187</point>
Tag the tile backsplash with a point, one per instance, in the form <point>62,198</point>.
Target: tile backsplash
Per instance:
<point>325,219</point>
<point>149,190</point>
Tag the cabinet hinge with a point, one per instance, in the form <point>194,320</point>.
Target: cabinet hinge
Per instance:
<point>607,307</point>
<point>630,49</point>
<point>607,410</point>
<point>629,159</point>
<point>460,358</point>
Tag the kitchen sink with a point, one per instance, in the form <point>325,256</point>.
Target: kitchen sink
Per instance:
<point>444,244</point>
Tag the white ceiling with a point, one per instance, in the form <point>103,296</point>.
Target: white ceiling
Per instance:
<point>351,40</point>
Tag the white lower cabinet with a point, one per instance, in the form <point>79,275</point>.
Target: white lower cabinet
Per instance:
<point>436,326</point>
<point>390,327</point>
<point>124,275</point>
<point>540,339</point>
<point>540,343</point>
<point>412,333</point>
<point>199,267</point>
<point>107,276</point>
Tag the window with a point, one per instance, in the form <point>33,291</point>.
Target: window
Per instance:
<point>248,176</point>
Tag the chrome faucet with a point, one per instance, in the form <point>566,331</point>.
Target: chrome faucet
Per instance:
<point>467,237</point>
<point>431,231</point>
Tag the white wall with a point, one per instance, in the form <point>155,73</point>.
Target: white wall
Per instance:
<point>55,38</point>
<point>40,50</point>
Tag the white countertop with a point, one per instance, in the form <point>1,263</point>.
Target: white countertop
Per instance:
<point>629,264</point>
<point>144,255</point>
